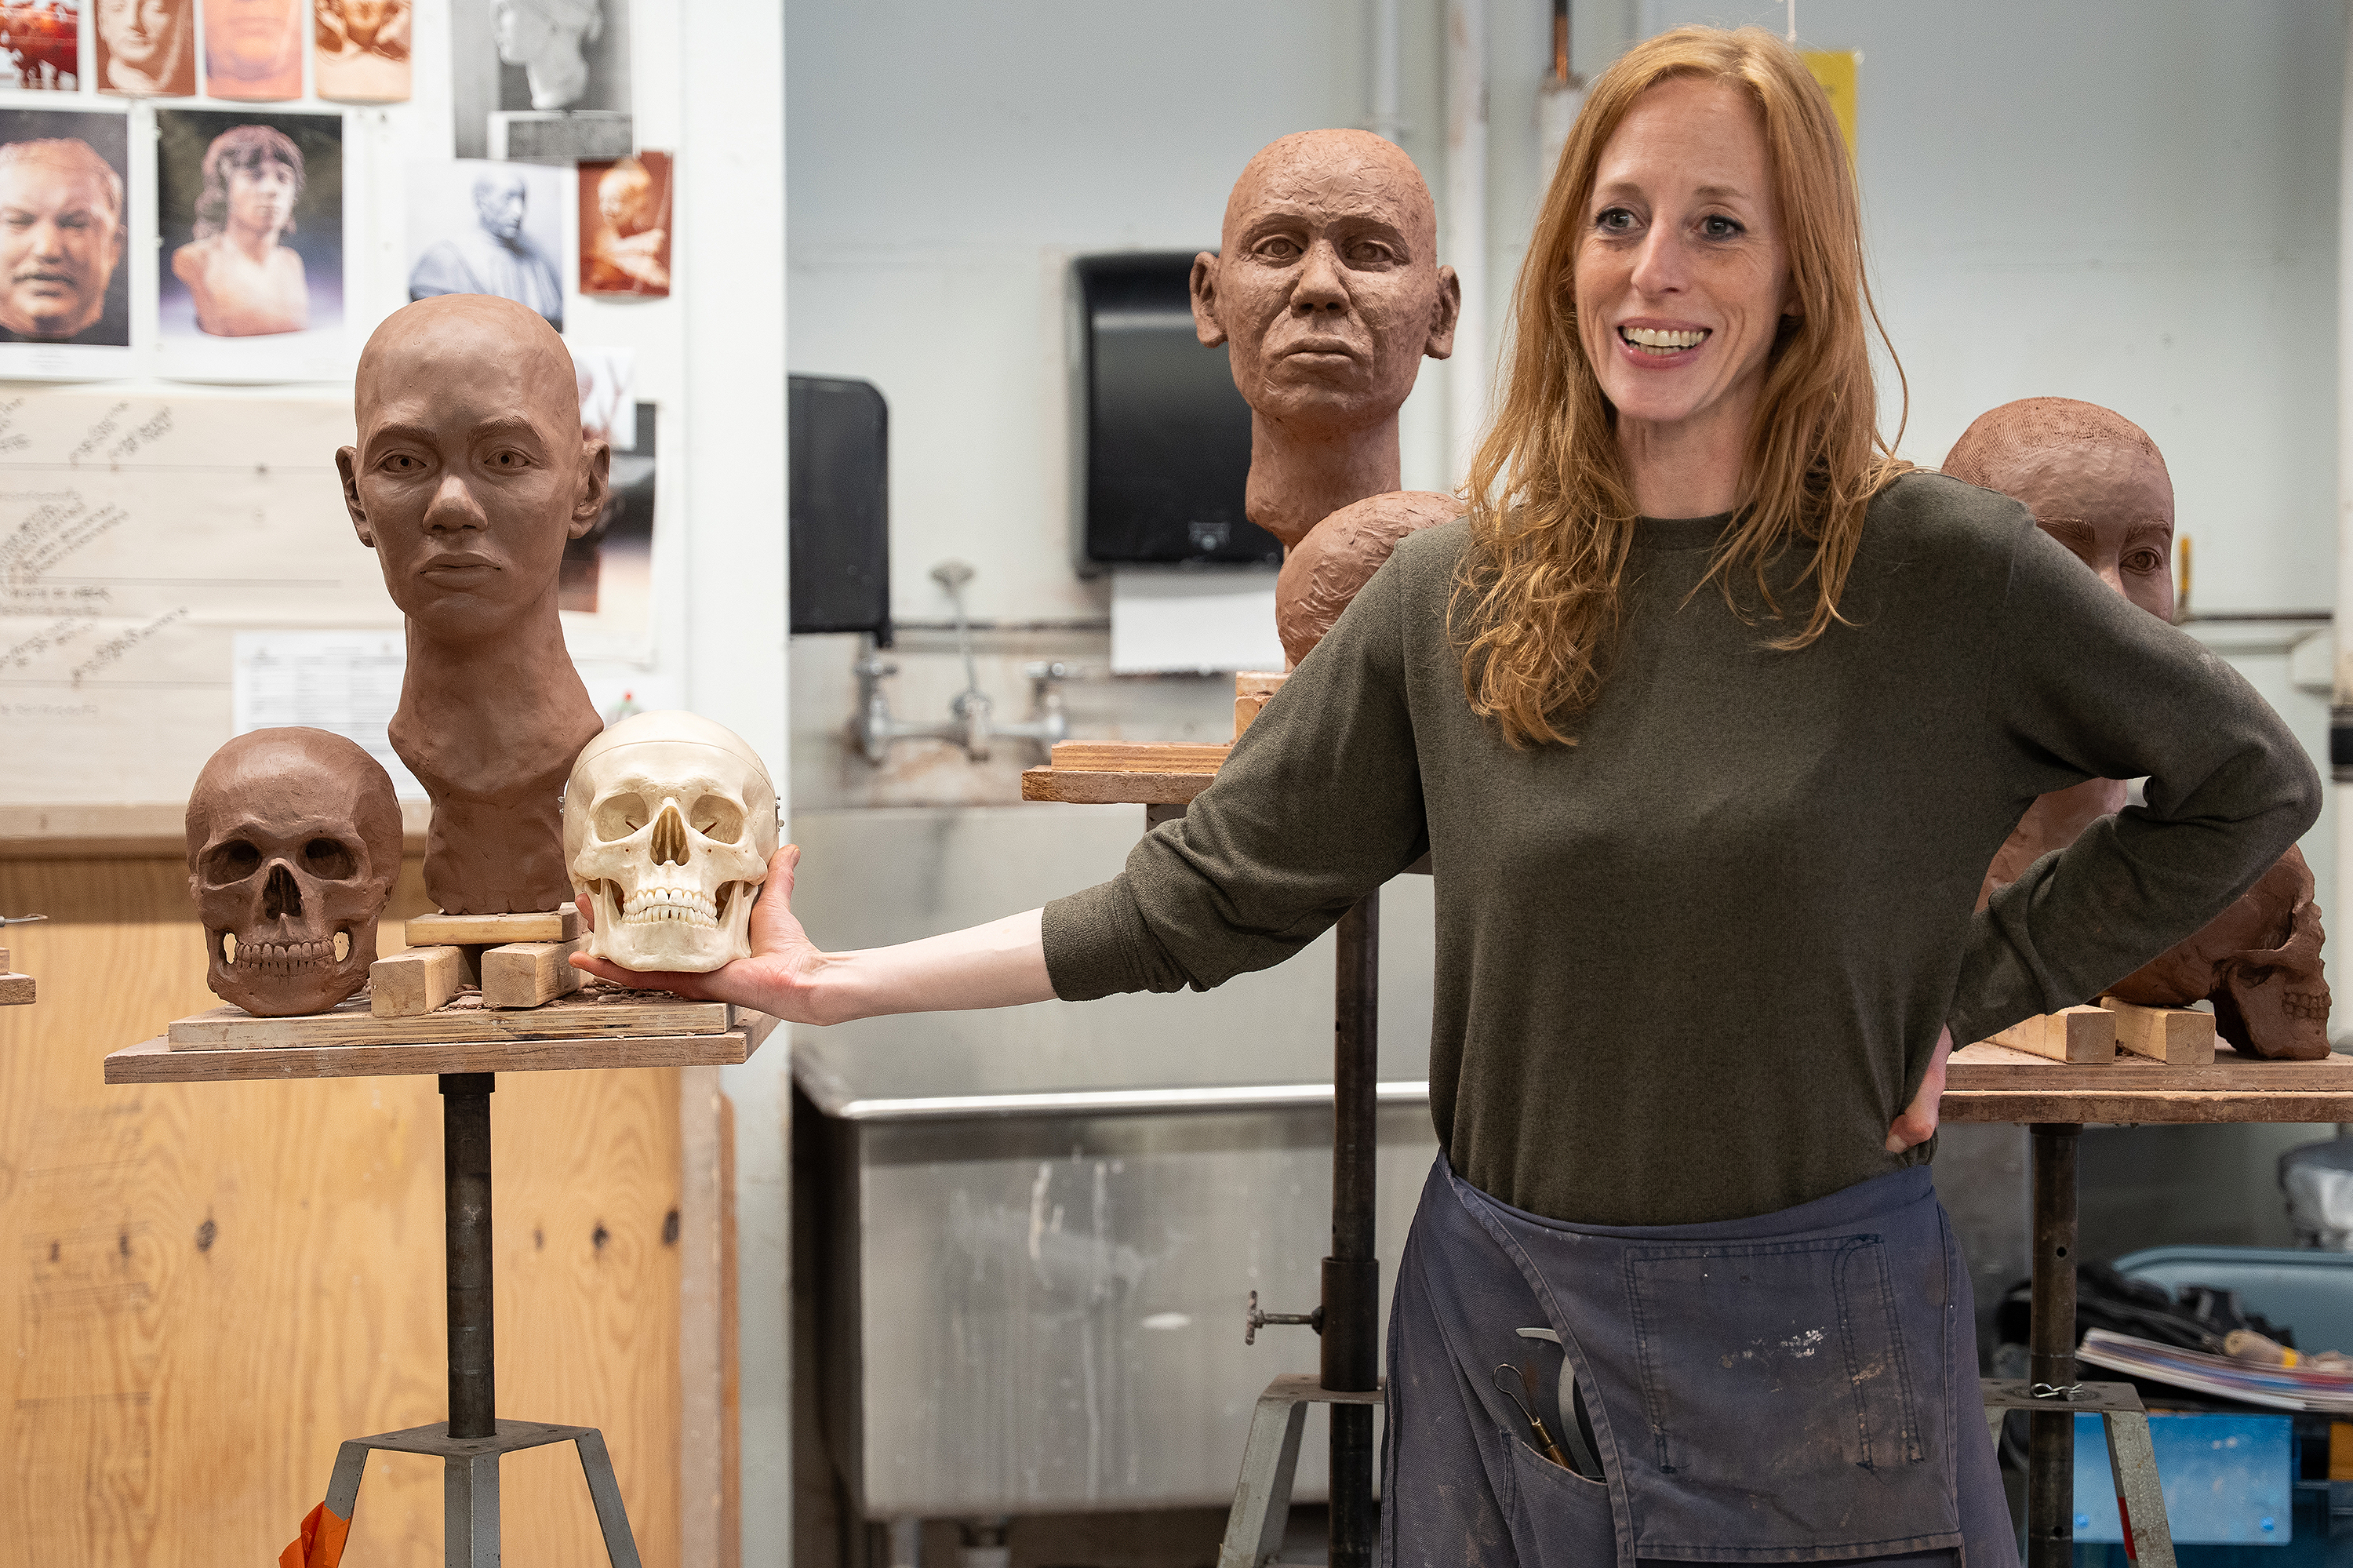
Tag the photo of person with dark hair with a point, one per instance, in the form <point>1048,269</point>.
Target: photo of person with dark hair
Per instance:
<point>249,212</point>
<point>63,228</point>
<point>146,48</point>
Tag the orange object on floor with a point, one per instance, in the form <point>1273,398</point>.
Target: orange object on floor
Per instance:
<point>321,1544</point>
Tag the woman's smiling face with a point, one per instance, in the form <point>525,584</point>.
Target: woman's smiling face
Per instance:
<point>1681,276</point>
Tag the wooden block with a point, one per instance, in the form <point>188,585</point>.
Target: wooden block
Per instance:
<point>15,991</point>
<point>1125,756</point>
<point>1088,787</point>
<point>526,974</point>
<point>599,1013</point>
<point>1245,710</point>
<point>2179,1036</point>
<point>2076,1034</point>
<point>1258,683</point>
<point>411,984</point>
<point>494,930</point>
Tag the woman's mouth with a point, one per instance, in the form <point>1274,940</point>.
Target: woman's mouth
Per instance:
<point>1660,342</point>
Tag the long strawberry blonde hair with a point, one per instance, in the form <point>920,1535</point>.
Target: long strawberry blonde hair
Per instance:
<point>1539,597</point>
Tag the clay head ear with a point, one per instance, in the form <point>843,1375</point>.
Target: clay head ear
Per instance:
<point>347,464</point>
<point>1204,289</point>
<point>596,484</point>
<point>1443,315</point>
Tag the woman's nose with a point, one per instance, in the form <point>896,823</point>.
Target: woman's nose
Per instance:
<point>1660,266</point>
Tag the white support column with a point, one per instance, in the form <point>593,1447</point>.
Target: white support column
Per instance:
<point>1464,247</point>
<point>2340,727</point>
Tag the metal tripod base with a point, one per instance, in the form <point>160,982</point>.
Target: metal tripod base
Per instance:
<point>1262,1497</point>
<point>2132,1456</point>
<point>469,1485</point>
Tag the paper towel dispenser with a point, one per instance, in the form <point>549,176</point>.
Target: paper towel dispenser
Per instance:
<point>840,506</point>
<point>1162,439</point>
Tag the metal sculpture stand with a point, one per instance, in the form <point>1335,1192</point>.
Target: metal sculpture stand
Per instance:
<point>472,1440</point>
<point>1349,1318</point>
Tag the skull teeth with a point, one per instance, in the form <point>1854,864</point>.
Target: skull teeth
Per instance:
<point>650,905</point>
<point>280,958</point>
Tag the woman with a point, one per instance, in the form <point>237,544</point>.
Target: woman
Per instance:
<point>246,283</point>
<point>1711,714</point>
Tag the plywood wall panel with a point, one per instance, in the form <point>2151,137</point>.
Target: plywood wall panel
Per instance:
<point>204,1288</point>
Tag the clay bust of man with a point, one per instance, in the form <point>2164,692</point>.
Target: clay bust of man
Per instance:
<point>61,237</point>
<point>469,477</point>
<point>1328,293</point>
<point>2097,483</point>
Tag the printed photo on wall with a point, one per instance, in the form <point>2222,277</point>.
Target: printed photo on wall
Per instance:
<point>253,49</point>
<point>481,228</point>
<point>65,290</point>
<point>606,587</point>
<point>362,49</point>
<point>146,48</point>
<point>249,210</point>
<point>40,44</point>
<point>534,54</point>
<point>625,226</point>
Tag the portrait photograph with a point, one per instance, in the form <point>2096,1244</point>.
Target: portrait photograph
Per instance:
<point>481,228</point>
<point>253,49</point>
<point>534,54</point>
<point>64,289</point>
<point>40,44</point>
<point>249,210</point>
<point>146,48</point>
<point>361,50</point>
<point>625,226</point>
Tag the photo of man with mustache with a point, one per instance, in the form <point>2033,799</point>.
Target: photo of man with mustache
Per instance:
<point>62,234</point>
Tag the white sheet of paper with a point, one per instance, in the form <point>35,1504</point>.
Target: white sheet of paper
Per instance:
<point>1198,621</point>
<point>347,681</point>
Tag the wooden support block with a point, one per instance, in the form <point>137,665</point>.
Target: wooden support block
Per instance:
<point>409,984</point>
<point>526,974</point>
<point>15,991</point>
<point>1138,756</point>
<point>2178,1036</point>
<point>494,930</point>
<point>2076,1034</point>
<point>1245,710</point>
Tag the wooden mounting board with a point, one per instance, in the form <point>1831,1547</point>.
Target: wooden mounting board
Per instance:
<point>155,1061</point>
<point>1986,1082</point>
<point>597,1013</point>
<point>1106,773</point>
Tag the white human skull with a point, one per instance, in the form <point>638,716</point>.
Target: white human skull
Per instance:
<point>668,821</point>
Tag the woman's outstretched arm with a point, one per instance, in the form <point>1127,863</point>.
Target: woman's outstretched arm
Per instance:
<point>1001,964</point>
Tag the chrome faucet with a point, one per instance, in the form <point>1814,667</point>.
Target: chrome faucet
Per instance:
<point>971,724</point>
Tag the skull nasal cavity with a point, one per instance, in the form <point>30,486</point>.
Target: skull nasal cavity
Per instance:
<point>280,898</point>
<point>670,838</point>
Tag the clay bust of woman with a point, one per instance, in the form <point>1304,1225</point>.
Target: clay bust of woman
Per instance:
<point>245,283</point>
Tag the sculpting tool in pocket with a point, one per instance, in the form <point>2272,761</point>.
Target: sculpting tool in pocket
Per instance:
<point>1527,1378</point>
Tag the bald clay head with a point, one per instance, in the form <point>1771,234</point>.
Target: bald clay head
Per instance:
<point>1327,294</point>
<point>469,477</point>
<point>2093,479</point>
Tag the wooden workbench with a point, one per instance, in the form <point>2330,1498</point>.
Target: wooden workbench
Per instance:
<point>1993,1083</point>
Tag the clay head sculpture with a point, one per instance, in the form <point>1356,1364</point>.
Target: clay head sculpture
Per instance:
<point>293,844</point>
<point>471,475</point>
<point>669,822</point>
<point>62,234</point>
<point>1327,294</point>
<point>2097,484</point>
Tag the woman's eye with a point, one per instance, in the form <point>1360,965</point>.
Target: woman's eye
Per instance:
<point>1614,221</point>
<point>1718,227</point>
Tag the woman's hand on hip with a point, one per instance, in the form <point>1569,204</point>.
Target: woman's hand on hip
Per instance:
<point>1918,1124</point>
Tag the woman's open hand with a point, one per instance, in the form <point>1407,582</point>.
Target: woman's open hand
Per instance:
<point>1918,1124</point>
<point>779,977</point>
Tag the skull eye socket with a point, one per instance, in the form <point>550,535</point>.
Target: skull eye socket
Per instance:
<point>232,862</point>
<point>619,816</point>
<point>718,818</point>
<point>330,861</point>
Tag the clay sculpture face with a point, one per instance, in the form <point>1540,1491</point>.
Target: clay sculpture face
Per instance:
<point>1328,291</point>
<point>293,844</point>
<point>471,475</point>
<point>2097,484</point>
<point>669,822</point>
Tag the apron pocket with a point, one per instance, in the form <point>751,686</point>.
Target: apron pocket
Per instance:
<point>1559,1520</point>
<point>1795,1344</point>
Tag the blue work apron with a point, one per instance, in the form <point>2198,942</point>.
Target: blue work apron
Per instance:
<point>1798,1387</point>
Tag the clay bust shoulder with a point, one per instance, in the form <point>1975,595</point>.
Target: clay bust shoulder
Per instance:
<point>1325,571</point>
<point>239,297</point>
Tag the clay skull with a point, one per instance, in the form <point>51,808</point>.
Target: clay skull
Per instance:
<point>2259,962</point>
<point>293,844</point>
<point>668,821</point>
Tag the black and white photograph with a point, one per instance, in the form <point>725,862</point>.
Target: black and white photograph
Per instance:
<point>545,54</point>
<point>64,289</point>
<point>249,213</point>
<point>481,228</point>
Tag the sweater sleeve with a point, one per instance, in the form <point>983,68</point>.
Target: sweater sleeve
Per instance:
<point>2089,685</point>
<point>1319,804</point>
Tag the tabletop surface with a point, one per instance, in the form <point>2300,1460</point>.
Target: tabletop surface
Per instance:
<point>1986,1082</point>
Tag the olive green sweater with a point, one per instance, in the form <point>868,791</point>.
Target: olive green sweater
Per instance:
<point>1689,967</point>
